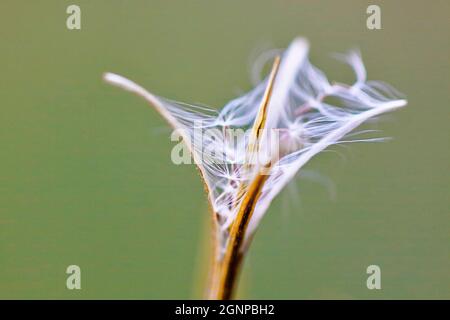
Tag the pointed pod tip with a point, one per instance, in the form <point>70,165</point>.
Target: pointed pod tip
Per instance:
<point>111,77</point>
<point>398,103</point>
<point>126,84</point>
<point>300,43</point>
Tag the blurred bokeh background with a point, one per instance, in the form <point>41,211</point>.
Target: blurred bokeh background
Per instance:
<point>85,170</point>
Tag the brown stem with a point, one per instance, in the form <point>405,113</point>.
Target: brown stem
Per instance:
<point>226,265</point>
<point>226,269</point>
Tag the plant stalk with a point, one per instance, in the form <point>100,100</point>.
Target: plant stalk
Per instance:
<point>226,265</point>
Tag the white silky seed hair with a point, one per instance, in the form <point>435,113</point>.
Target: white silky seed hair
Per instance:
<point>297,109</point>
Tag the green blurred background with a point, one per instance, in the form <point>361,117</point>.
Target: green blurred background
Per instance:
<point>85,170</point>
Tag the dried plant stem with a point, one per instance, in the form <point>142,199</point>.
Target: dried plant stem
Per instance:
<point>225,270</point>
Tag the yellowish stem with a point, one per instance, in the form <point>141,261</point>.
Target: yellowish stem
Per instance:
<point>226,266</point>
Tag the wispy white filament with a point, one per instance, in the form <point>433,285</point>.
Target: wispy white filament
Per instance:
<point>298,110</point>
